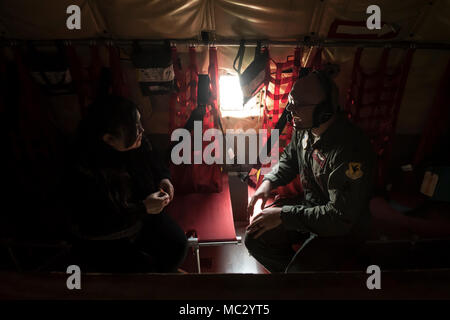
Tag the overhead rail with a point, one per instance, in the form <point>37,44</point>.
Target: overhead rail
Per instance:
<point>249,43</point>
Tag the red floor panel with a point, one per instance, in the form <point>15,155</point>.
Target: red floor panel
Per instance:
<point>209,214</point>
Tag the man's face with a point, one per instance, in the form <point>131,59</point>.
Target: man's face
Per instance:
<point>306,94</point>
<point>118,142</point>
<point>139,132</point>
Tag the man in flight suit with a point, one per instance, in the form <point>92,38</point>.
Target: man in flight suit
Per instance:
<point>335,162</point>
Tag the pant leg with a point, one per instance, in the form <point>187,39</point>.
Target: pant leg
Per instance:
<point>273,249</point>
<point>108,256</point>
<point>323,254</point>
<point>164,241</point>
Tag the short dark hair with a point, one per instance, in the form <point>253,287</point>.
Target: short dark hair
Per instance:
<point>110,114</point>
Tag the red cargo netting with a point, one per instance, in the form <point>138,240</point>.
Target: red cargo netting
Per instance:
<point>374,100</point>
<point>277,90</point>
<point>194,178</point>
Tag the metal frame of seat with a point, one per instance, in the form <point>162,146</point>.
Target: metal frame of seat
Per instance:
<point>194,243</point>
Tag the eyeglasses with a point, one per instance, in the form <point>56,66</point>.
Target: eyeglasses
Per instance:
<point>139,127</point>
<point>291,107</point>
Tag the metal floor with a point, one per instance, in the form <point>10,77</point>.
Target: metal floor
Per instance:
<point>225,259</point>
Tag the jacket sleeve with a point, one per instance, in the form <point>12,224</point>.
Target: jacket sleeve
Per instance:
<point>287,168</point>
<point>349,190</point>
<point>159,169</point>
<point>94,213</point>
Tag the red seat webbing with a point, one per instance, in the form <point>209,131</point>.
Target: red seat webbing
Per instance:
<point>86,84</point>
<point>192,81</point>
<point>178,114</point>
<point>282,85</point>
<point>208,214</point>
<point>213,72</point>
<point>184,101</point>
<point>374,100</point>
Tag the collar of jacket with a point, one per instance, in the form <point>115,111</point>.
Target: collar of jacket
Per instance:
<point>101,155</point>
<point>329,137</point>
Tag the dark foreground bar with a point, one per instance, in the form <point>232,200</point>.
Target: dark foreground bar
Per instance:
<point>414,284</point>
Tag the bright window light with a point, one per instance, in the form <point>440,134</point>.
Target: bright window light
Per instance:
<point>231,99</point>
<point>230,93</point>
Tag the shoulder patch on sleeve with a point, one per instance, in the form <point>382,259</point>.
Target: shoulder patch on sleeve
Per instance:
<point>354,170</point>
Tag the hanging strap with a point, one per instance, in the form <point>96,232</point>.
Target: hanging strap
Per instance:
<point>192,80</point>
<point>257,50</point>
<point>136,47</point>
<point>213,72</point>
<point>240,56</point>
<point>76,74</point>
<point>174,95</point>
<point>298,54</point>
<point>317,60</point>
<point>380,76</point>
<point>266,118</point>
<point>94,70</point>
<point>349,105</point>
<point>214,76</point>
<point>404,77</point>
<point>119,86</point>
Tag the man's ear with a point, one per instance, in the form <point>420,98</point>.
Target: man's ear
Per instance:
<point>109,139</point>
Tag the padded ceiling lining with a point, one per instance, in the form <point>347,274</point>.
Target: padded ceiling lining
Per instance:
<point>231,19</point>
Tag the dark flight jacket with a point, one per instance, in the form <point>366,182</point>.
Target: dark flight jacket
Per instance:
<point>336,173</point>
<point>93,212</point>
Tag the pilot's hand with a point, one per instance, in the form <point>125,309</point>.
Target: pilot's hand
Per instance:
<point>263,192</point>
<point>156,202</point>
<point>167,186</point>
<point>268,219</point>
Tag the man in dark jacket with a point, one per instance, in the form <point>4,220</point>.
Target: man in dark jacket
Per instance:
<point>335,162</point>
<point>116,189</point>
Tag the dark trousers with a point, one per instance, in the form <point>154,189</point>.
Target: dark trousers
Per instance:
<point>164,241</point>
<point>274,250</point>
<point>160,246</point>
